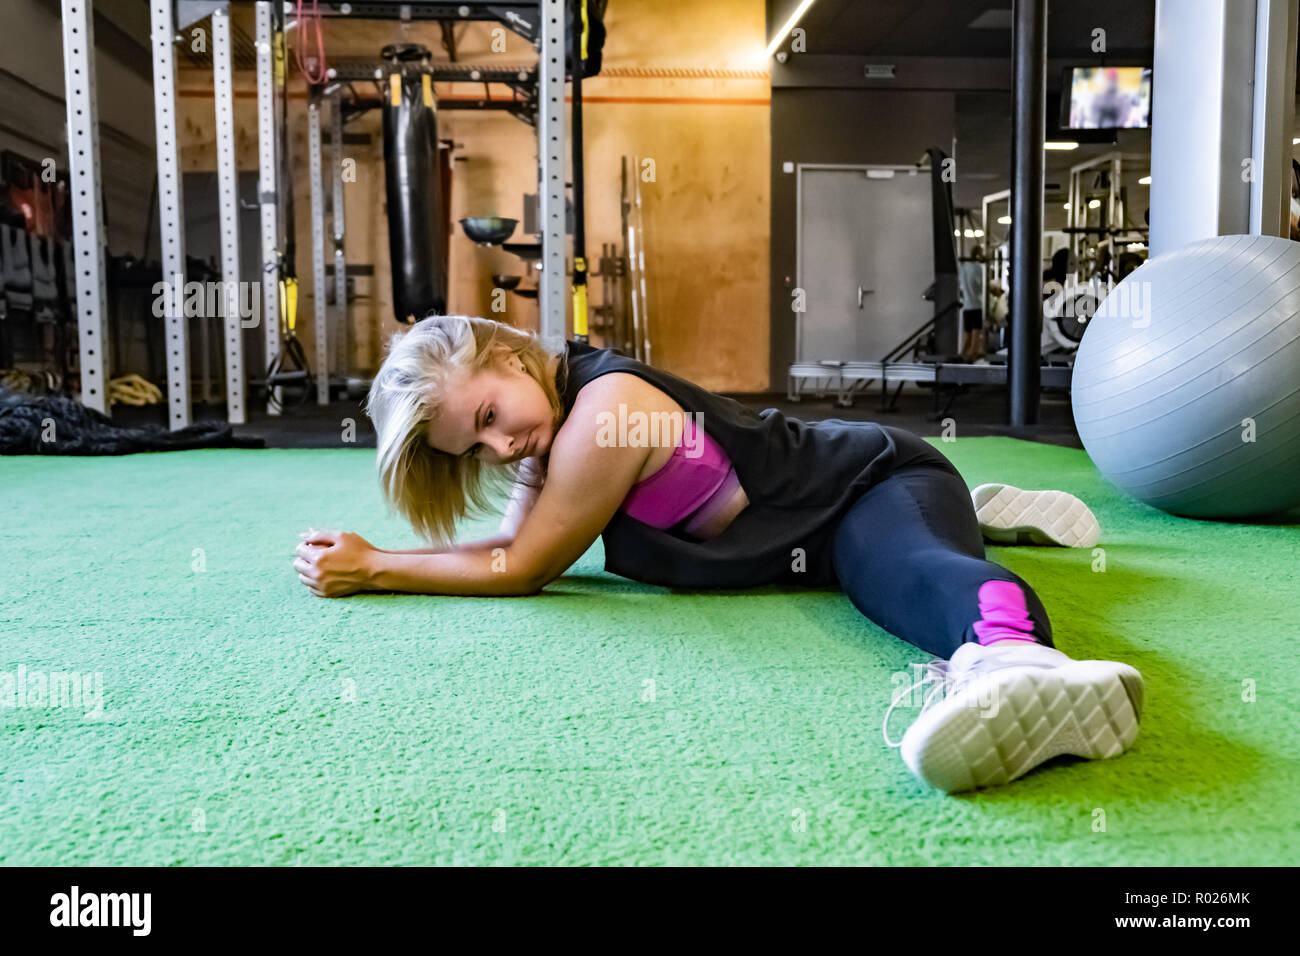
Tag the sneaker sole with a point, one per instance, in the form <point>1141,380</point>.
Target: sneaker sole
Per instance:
<point>1089,709</point>
<point>1006,513</point>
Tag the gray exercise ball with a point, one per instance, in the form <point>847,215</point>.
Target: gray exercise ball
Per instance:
<point>1186,386</point>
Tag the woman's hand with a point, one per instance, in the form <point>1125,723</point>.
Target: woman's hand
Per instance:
<point>334,563</point>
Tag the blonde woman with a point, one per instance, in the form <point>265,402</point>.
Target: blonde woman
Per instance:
<point>690,489</point>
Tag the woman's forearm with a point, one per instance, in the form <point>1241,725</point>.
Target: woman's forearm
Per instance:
<point>501,541</point>
<point>474,573</point>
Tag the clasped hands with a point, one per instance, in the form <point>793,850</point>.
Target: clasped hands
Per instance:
<point>334,563</point>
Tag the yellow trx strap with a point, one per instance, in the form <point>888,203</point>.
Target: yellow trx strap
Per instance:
<point>579,298</point>
<point>289,302</point>
<point>583,4</point>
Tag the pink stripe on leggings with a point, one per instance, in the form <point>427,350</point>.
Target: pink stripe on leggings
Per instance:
<point>1003,615</point>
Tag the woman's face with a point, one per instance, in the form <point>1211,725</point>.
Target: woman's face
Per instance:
<point>499,415</point>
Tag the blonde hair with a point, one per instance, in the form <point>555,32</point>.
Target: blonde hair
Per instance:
<point>432,489</point>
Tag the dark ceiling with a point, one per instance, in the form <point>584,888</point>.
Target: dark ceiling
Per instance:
<point>943,27</point>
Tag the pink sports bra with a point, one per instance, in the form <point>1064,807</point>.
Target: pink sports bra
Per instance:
<point>698,487</point>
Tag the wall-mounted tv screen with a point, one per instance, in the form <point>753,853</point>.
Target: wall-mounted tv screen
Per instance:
<point>1106,97</point>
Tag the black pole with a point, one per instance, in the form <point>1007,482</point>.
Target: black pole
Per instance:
<point>1029,91</point>
<point>580,307</point>
<point>947,297</point>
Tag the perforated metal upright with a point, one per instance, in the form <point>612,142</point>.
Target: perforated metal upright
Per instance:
<point>550,154</point>
<point>341,343</point>
<point>318,252</point>
<point>171,213</point>
<point>267,189</point>
<point>228,206</point>
<point>87,215</point>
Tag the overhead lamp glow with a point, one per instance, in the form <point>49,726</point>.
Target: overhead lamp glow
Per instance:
<point>1066,207</point>
<point>1094,203</point>
<point>1004,220</point>
<point>979,233</point>
<point>1060,144</point>
<point>782,33</point>
<point>1146,180</point>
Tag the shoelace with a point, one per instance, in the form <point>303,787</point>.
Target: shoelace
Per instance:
<point>937,671</point>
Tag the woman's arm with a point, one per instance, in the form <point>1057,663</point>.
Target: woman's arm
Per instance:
<point>585,484</point>
<point>522,498</point>
<point>339,563</point>
<point>500,541</point>
<point>587,480</point>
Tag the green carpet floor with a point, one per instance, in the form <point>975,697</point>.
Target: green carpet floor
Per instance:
<point>603,722</point>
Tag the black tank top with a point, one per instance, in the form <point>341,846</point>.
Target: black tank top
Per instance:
<point>800,478</point>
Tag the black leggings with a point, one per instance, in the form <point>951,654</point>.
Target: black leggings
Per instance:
<point>910,556</point>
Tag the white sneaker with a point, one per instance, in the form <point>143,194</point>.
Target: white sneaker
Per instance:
<point>1009,514</point>
<point>997,711</point>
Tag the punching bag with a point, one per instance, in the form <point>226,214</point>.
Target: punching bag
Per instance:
<point>417,241</point>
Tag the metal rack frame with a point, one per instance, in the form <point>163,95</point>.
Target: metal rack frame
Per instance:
<point>999,198</point>
<point>1114,229</point>
<point>542,22</point>
<point>87,211</point>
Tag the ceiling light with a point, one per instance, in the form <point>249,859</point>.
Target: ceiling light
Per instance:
<point>1066,207</point>
<point>789,25</point>
<point>1094,203</point>
<point>1004,220</point>
<point>1060,144</point>
<point>1146,180</point>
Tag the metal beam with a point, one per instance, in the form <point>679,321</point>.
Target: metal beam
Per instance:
<point>88,226</point>
<point>228,206</point>
<point>171,213</point>
<point>267,132</point>
<point>1274,117</point>
<point>1029,77</point>
<point>520,17</point>
<point>550,152</point>
<point>1201,120</point>
<point>318,252</point>
<point>342,350</point>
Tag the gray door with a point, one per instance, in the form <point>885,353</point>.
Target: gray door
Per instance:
<point>867,257</point>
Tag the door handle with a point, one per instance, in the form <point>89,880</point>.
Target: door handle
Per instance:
<point>863,292</point>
